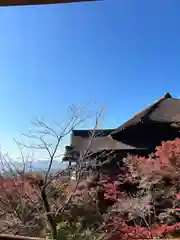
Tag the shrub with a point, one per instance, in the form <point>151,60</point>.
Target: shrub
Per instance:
<point>146,197</point>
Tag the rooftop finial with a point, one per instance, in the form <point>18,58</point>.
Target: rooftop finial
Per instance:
<point>168,95</point>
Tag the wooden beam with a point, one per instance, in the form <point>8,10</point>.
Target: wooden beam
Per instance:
<point>16,237</point>
<point>37,2</point>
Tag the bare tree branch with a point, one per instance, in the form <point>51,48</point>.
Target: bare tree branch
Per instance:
<point>46,138</point>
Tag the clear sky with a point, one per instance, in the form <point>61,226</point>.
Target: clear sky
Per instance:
<point>123,54</point>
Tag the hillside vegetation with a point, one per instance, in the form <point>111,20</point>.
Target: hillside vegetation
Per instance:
<point>140,200</point>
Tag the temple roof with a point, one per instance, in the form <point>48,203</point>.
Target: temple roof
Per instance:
<point>107,143</point>
<point>97,132</point>
<point>37,2</point>
<point>164,110</point>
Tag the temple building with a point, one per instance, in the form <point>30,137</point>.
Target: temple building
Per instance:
<point>139,135</point>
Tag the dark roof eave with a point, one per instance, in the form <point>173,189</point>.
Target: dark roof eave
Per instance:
<point>142,116</point>
<point>5,3</point>
<point>88,132</point>
<point>154,121</point>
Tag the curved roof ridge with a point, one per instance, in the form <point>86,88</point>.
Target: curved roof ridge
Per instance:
<point>167,95</point>
<point>143,114</point>
<point>156,103</point>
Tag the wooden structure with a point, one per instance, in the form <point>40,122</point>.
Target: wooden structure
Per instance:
<point>151,126</point>
<point>139,135</point>
<point>37,2</point>
<point>17,237</point>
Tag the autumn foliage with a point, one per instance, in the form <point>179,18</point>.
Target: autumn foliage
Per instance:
<point>146,197</point>
<point>139,201</point>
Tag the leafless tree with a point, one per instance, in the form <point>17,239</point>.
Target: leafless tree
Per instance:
<point>48,139</point>
<point>19,201</point>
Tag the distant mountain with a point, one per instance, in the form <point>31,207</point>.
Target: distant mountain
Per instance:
<point>44,164</point>
<point>35,166</point>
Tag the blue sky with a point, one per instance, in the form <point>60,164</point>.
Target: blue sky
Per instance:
<point>123,54</point>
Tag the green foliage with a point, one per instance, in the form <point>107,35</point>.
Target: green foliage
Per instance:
<point>65,231</point>
<point>79,221</point>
